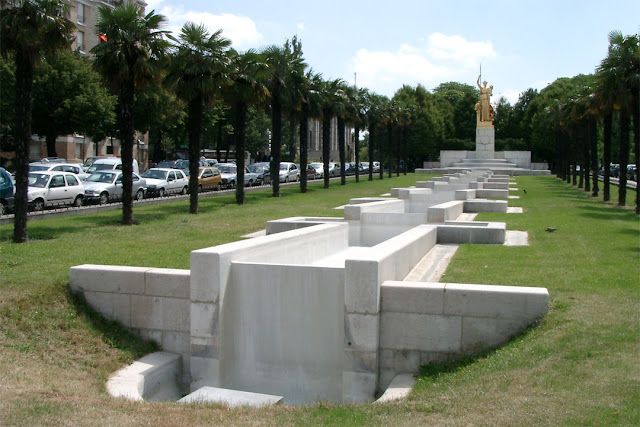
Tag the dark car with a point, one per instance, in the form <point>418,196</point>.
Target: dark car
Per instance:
<point>264,175</point>
<point>6,192</point>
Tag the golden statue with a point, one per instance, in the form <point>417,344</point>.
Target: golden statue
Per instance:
<point>483,107</point>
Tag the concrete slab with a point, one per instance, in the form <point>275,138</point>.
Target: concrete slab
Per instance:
<point>255,234</point>
<point>514,197</point>
<point>433,265</point>
<point>231,398</point>
<point>514,209</point>
<point>516,238</point>
<point>399,388</point>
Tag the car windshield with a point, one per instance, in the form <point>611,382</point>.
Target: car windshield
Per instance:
<point>166,164</point>
<point>317,165</point>
<point>254,169</point>
<point>181,164</point>
<point>100,167</point>
<point>38,168</point>
<point>227,169</point>
<point>101,177</point>
<point>38,180</point>
<point>155,174</point>
<point>284,167</point>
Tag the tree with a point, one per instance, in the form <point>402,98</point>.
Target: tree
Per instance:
<point>329,101</point>
<point>196,71</point>
<point>69,97</point>
<point>619,89</point>
<point>245,88</point>
<point>309,108</point>
<point>29,29</point>
<point>129,60</point>
<point>285,66</point>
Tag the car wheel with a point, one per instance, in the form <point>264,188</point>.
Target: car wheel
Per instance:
<point>286,179</point>
<point>38,205</point>
<point>184,191</point>
<point>162,192</point>
<point>233,184</point>
<point>250,183</point>
<point>218,187</point>
<point>199,188</point>
<point>104,198</point>
<point>140,195</point>
<point>77,202</point>
<point>3,209</point>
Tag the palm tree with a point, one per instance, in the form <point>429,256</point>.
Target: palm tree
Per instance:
<point>309,108</point>
<point>196,71</point>
<point>285,65</point>
<point>29,29</point>
<point>129,59</point>
<point>359,118</point>
<point>374,105</point>
<point>619,79</point>
<point>329,100</point>
<point>245,88</point>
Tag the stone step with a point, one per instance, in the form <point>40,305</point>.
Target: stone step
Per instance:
<point>231,398</point>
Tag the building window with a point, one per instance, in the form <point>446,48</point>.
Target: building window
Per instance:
<point>80,41</point>
<point>81,13</point>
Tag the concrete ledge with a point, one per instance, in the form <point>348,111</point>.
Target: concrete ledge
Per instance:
<point>399,388</point>
<point>484,193</point>
<point>153,377</point>
<point>483,205</point>
<point>445,211</point>
<point>491,233</point>
<point>231,398</point>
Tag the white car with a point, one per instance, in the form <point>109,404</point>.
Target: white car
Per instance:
<point>106,186</point>
<point>51,188</point>
<point>289,172</point>
<point>162,181</point>
<point>59,167</point>
<point>229,175</point>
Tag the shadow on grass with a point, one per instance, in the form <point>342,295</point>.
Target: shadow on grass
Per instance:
<point>112,333</point>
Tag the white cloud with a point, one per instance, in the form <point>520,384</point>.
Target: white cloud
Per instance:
<point>241,30</point>
<point>511,96</point>
<point>300,26</point>
<point>442,58</point>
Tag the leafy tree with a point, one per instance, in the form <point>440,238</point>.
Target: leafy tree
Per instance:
<point>7,102</point>
<point>196,71</point>
<point>69,97</point>
<point>29,29</point>
<point>462,97</point>
<point>129,59</point>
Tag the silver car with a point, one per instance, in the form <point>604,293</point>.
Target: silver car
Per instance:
<point>106,186</point>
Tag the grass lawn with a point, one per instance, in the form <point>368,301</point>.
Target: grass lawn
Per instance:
<point>580,366</point>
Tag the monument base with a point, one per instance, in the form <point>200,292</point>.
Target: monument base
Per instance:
<point>485,143</point>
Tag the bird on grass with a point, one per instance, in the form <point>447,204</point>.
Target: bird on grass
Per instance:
<point>525,191</point>
<point>550,229</point>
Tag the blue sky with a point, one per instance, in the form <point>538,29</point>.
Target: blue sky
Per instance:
<point>520,44</point>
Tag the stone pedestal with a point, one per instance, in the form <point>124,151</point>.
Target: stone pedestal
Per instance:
<point>485,142</point>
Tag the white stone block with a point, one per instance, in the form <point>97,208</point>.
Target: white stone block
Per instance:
<point>495,301</point>
<point>167,282</point>
<point>231,398</point>
<point>111,306</point>
<point>203,319</point>
<point>481,333</point>
<point>169,314</point>
<point>409,331</point>
<point>412,297</point>
<point>176,342</point>
<point>362,331</point>
<point>107,278</point>
<point>205,275</point>
<point>205,371</point>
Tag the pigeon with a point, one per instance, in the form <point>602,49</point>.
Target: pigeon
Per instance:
<point>525,191</point>
<point>550,229</point>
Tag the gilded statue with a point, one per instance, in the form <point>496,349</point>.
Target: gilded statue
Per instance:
<point>483,107</point>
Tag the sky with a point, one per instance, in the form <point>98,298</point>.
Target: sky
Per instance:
<point>383,45</point>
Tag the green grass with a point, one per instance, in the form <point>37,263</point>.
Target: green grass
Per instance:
<point>580,366</point>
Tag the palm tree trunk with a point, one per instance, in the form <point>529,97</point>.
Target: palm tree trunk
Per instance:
<point>341,148</point>
<point>606,153</point>
<point>195,131</point>
<point>240,126</point>
<point>398,151</point>
<point>585,154</point>
<point>304,149</point>
<point>50,139</point>
<point>356,147</point>
<point>24,102</point>
<point>624,155</point>
<point>276,140</point>
<point>636,141</point>
<point>593,142</point>
<point>372,132</point>
<point>326,147</point>
<point>390,146</point>
<point>127,132</point>
<point>405,143</point>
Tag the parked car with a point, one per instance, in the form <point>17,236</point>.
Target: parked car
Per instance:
<point>49,188</point>
<point>289,172</point>
<point>52,160</point>
<point>166,164</point>
<point>7,191</point>
<point>229,173</point>
<point>209,179</point>
<point>319,170</point>
<point>632,173</point>
<point>59,167</point>
<point>262,172</point>
<point>106,186</point>
<point>163,181</point>
<point>334,169</point>
<point>109,164</point>
<point>376,167</point>
<point>89,161</point>
<point>364,167</point>
<point>614,169</point>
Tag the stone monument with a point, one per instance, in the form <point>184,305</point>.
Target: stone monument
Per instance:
<point>485,132</point>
